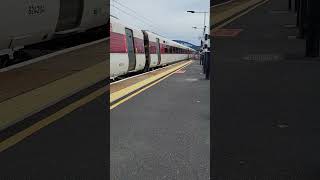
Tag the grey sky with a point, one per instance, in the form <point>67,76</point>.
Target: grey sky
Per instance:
<point>168,17</point>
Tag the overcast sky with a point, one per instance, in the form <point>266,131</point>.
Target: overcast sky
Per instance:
<point>165,17</point>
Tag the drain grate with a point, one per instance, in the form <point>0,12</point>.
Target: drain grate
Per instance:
<point>263,58</point>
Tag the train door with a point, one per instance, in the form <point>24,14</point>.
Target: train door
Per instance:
<point>131,49</point>
<point>146,50</point>
<point>158,51</point>
<point>70,14</point>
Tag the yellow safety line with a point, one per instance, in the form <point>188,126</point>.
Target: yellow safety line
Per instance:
<point>134,94</point>
<point>11,141</point>
<point>239,15</point>
<point>123,92</point>
<point>147,87</point>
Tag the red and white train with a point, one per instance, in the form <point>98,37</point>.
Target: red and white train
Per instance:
<point>33,21</point>
<point>133,50</point>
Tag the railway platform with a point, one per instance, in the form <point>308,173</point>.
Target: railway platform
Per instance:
<point>160,129</point>
<point>47,107</point>
<point>43,83</point>
<point>265,123</point>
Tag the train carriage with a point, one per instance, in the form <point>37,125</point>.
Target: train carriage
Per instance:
<point>127,51</point>
<point>154,47</point>
<point>133,50</point>
<point>34,21</point>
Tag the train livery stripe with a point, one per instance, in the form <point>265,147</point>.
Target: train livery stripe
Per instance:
<point>118,44</point>
<point>139,45</point>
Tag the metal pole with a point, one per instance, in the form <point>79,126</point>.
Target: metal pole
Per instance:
<point>298,5</point>
<point>204,24</point>
<point>289,7</point>
<point>312,46</point>
<point>312,31</point>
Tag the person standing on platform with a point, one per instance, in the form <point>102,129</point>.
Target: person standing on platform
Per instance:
<point>206,54</point>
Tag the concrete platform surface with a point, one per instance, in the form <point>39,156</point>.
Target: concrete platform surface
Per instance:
<point>163,133</point>
<point>265,121</point>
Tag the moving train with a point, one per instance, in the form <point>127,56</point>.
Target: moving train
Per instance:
<point>33,21</point>
<point>133,50</point>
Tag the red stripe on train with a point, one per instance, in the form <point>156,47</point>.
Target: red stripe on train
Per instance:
<point>118,44</point>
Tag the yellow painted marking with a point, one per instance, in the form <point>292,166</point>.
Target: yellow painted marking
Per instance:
<point>147,87</point>
<point>221,16</point>
<point>11,141</point>
<point>18,108</point>
<point>134,94</point>
<point>123,92</point>
<point>240,15</point>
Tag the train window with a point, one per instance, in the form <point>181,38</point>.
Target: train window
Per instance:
<point>170,49</point>
<point>165,49</point>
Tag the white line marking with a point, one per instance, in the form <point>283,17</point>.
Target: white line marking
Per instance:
<point>41,58</point>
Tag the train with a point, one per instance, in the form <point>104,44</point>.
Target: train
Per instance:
<point>33,21</point>
<point>136,50</point>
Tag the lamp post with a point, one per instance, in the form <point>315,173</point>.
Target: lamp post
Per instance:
<point>204,58</point>
<point>204,22</point>
<point>199,28</point>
